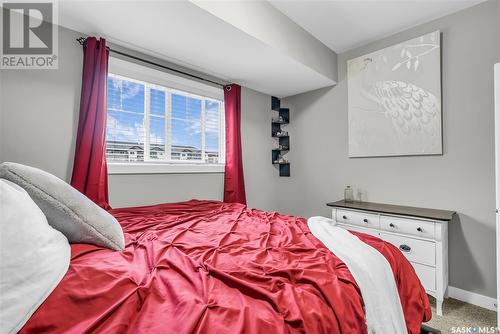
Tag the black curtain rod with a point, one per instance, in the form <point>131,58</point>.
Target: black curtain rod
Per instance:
<point>82,40</point>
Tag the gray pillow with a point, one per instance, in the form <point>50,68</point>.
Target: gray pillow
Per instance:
<point>66,209</point>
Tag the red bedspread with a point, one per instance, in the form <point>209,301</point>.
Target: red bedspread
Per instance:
<point>209,267</point>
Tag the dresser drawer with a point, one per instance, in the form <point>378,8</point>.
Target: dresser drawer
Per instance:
<point>415,250</point>
<point>419,228</point>
<point>358,218</point>
<point>369,231</point>
<point>427,276</point>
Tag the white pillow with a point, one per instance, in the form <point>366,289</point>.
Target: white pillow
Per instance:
<point>34,257</point>
<point>67,210</point>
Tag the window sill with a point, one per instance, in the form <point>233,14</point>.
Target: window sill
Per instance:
<point>164,168</point>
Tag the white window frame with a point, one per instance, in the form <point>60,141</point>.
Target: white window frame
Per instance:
<point>169,84</point>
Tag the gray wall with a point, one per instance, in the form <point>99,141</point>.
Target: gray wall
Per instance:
<point>40,111</point>
<point>262,182</point>
<point>146,189</point>
<point>38,122</point>
<point>462,179</point>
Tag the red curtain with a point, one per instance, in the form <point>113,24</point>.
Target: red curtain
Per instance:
<point>234,185</point>
<point>90,175</point>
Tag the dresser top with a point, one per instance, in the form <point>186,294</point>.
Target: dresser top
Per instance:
<point>443,215</point>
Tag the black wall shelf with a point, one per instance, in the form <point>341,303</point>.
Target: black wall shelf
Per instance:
<point>280,117</point>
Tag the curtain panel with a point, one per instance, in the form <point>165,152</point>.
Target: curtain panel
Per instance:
<point>90,174</point>
<point>234,184</point>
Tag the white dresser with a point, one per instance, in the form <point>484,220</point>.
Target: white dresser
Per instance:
<point>420,234</point>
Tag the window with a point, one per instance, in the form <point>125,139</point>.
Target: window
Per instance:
<point>158,128</point>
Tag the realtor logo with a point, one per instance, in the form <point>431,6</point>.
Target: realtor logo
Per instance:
<point>29,35</point>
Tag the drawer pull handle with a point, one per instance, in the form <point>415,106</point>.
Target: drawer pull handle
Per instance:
<point>420,229</point>
<point>391,225</point>
<point>344,217</point>
<point>365,220</point>
<point>405,248</point>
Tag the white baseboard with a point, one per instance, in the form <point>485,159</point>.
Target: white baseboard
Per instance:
<point>472,298</point>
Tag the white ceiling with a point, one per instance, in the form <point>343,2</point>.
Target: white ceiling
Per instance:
<point>346,24</point>
<point>271,47</point>
<point>184,33</point>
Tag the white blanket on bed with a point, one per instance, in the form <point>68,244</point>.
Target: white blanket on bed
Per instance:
<point>372,272</point>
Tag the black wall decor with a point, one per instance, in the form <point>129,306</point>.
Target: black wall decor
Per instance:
<point>281,117</point>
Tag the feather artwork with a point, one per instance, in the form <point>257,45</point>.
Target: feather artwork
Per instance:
<point>394,100</point>
<point>410,108</point>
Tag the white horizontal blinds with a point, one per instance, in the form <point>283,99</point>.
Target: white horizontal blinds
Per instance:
<point>222,133</point>
<point>147,106</point>
<point>157,124</point>
<point>125,120</point>
<point>152,123</point>
<point>203,129</point>
<point>186,127</point>
<point>168,125</point>
<point>212,131</point>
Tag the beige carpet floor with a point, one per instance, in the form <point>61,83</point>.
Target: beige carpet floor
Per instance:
<point>459,314</point>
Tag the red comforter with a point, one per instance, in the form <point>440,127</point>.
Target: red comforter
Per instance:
<point>210,267</point>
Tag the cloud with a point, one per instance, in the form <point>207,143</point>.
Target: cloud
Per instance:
<point>131,89</point>
<point>194,128</point>
<point>128,89</point>
<point>124,131</point>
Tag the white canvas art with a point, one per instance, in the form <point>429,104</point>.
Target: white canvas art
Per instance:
<point>394,100</point>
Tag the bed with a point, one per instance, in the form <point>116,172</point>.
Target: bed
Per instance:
<point>213,267</point>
